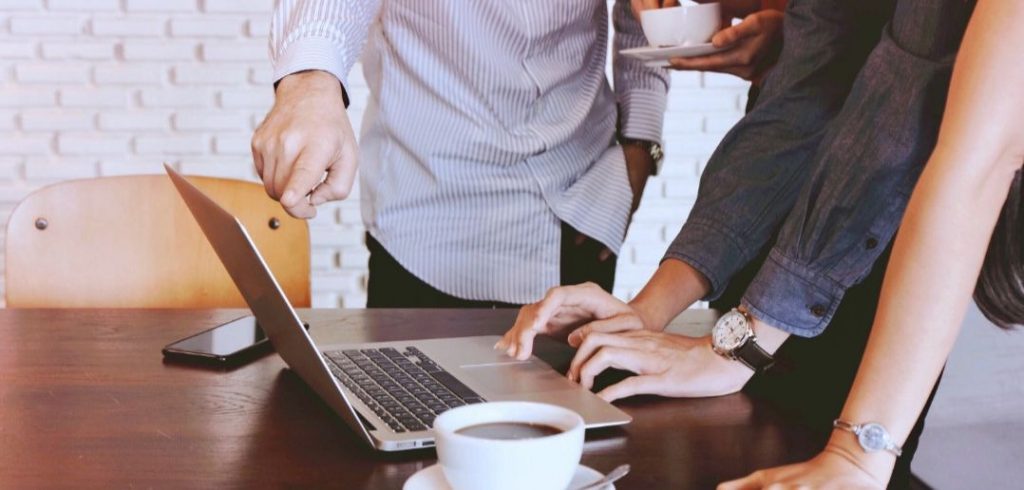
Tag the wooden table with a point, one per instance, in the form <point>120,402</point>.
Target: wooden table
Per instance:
<point>87,402</point>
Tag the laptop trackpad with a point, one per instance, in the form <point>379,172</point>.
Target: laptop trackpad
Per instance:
<point>520,377</point>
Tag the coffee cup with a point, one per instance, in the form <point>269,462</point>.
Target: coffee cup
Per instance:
<point>509,445</point>
<point>684,25</point>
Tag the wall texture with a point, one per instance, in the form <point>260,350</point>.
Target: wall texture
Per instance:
<point>107,87</point>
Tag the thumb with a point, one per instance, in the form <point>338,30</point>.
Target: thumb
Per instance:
<point>305,175</point>
<point>338,184</point>
<point>750,26</point>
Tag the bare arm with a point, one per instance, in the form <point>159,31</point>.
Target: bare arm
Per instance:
<point>937,254</point>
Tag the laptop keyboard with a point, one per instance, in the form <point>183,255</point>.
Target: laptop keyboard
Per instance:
<point>406,389</point>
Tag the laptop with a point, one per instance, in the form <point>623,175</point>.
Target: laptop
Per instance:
<point>388,392</point>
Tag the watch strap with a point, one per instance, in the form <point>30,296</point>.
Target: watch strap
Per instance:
<point>753,356</point>
<point>653,148</point>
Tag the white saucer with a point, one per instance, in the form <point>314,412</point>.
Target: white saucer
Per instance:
<point>432,478</point>
<point>655,56</point>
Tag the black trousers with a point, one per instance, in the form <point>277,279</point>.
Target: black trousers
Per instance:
<point>812,376</point>
<point>391,286</point>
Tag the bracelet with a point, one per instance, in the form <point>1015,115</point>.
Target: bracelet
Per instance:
<point>871,436</point>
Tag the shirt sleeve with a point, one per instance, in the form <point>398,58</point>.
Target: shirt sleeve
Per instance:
<point>863,173</point>
<point>640,91</point>
<point>323,35</point>
<point>754,176</point>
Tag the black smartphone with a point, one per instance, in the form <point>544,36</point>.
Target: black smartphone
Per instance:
<point>233,342</point>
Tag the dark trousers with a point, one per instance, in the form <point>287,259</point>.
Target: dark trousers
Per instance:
<point>391,286</point>
<point>813,376</point>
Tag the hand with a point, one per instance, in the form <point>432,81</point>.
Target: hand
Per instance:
<point>834,469</point>
<point>666,364</point>
<point>754,47</point>
<point>306,134</point>
<point>602,256</point>
<point>562,310</point>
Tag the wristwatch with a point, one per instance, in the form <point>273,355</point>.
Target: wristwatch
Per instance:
<point>871,436</point>
<point>733,338</point>
<point>654,149</point>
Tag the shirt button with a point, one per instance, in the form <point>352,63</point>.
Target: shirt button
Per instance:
<point>819,310</point>
<point>871,243</point>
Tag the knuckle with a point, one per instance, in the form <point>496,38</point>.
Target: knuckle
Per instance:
<point>290,141</point>
<point>585,332</point>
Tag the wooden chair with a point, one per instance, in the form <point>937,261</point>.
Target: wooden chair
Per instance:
<point>130,242</point>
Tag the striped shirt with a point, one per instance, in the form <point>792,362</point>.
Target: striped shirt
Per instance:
<point>489,123</point>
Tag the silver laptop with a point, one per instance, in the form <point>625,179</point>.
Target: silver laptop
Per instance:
<point>388,392</point>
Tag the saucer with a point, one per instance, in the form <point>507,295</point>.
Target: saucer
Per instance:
<point>658,57</point>
<point>432,478</point>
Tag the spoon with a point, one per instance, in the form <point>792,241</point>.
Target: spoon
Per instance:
<point>608,479</point>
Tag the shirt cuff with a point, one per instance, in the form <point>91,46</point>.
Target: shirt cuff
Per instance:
<point>714,252</point>
<point>791,297</point>
<point>313,53</point>
<point>642,114</point>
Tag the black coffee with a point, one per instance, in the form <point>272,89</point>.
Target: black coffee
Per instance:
<point>509,430</point>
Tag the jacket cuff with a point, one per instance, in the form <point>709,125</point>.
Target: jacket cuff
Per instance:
<point>713,251</point>
<point>789,296</point>
<point>313,53</point>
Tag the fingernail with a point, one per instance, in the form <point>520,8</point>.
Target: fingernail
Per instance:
<point>288,197</point>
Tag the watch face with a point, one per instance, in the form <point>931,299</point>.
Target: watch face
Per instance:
<point>873,437</point>
<point>730,332</point>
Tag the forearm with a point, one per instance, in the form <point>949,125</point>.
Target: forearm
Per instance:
<point>753,178</point>
<point>945,233</point>
<point>926,293</point>
<point>673,288</point>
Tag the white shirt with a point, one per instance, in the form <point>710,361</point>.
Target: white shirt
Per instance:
<point>490,122</point>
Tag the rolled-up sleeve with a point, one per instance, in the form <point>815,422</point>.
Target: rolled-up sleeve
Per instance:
<point>326,35</point>
<point>864,172</point>
<point>641,92</point>
<point>754,176</point>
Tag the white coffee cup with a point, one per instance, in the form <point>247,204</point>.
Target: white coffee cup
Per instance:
<point>684,25</point>
<point>539,463</point>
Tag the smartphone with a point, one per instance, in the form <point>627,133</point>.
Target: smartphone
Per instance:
<point>233,342</point>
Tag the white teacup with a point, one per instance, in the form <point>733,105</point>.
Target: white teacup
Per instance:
<point>471,458</point>
<point>684,25</point>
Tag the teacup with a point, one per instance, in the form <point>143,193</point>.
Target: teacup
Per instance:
<point>685,25</point>
<point>509,445</point>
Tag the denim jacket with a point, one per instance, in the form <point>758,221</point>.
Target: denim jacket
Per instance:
<point>825,162</point>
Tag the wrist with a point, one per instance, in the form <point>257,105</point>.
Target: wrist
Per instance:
<point>768,337</point>
<point>305,81</point>
<point>647,314</point>
<point>674,287</point>
<point>878,465</point>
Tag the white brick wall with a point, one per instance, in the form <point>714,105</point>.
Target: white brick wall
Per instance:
<point>110,87</point>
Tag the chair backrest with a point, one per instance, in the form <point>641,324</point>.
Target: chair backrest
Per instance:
<point>130,242</point>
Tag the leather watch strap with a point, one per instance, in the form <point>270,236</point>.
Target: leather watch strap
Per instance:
<point>753,356</point>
